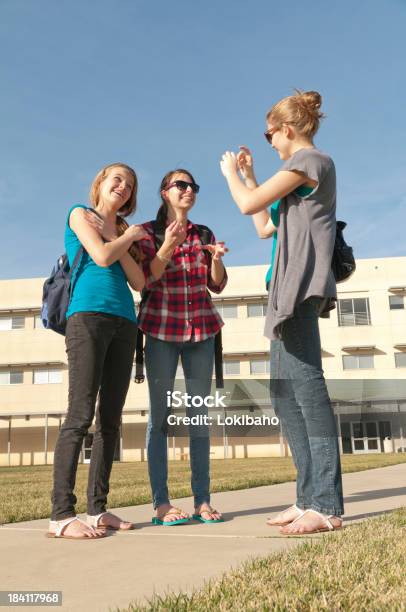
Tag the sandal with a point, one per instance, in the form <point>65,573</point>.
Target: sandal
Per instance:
<point>328,525</point>
<point>94,520</point>
<point>58,530</point>
<point>199,517</point>
<point>172,512</point>
<point>283,523</point>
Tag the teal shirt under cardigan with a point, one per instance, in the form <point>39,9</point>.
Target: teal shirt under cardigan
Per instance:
<point>97,289</point>
<point>302,191</point>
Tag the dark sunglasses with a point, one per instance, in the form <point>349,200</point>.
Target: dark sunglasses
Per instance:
<point>269,134</point>
<point>183,185</point>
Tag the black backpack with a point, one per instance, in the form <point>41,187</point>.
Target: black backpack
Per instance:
<point>57,293</point>
<point>342,262</point>
<point>205,235</point>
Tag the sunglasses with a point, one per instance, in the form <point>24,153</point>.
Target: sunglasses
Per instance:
<point>183,185</point>
<point>269,134</point>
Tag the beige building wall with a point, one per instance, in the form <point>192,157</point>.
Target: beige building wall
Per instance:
<point>23,406</point>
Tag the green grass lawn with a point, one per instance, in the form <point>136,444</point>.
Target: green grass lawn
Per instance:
<point>360,569</point>
<point>25,491</point>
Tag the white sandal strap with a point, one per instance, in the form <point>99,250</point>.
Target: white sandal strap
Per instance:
<point>301,512</point>
<point>93,520</point>
<point>326,518</point>
<point>60,526</point>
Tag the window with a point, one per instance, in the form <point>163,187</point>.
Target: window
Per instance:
<point>396,302</point>
<point>11,377</point>
<point>259,366</point>
<point>358,362</point>
<point>232,368</point>
<point>354,312</point>
<point>44,377</point>
<point>38,322</point>
<point>16,322</point>
<point>256,310</point>
<point>227,311</point>
<point>400,360</point>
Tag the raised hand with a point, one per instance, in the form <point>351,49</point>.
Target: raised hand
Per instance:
<point>245,162</point>
<point>175,234</point>
<point>217,250</point>
<point>228,163</point>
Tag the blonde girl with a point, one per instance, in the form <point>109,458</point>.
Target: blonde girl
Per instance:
<point>302,287</point>
<point>100,342</point>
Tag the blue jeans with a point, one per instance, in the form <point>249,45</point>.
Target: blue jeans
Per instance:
<point>161,360</point>
<point>300,399</point>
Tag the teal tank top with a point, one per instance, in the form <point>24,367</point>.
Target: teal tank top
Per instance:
<point>302,191</point>
<point>97,289</point>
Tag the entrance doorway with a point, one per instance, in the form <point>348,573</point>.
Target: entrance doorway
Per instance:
<point>365,437</point>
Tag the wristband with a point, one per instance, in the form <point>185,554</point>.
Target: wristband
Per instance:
<point>165,260</point>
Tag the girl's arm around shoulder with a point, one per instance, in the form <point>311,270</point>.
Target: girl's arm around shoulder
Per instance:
<point>103,253</point>
<point>135,275</point>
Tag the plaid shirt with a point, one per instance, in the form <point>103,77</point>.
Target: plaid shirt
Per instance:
<point>178,307</point>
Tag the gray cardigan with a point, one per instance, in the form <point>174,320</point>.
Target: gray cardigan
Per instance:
<point>306,235</point>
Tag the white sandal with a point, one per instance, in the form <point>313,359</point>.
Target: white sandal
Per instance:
<point>326,520</point>
<point>93,521</point>
<point>57,530</point>
<point>299,510</point>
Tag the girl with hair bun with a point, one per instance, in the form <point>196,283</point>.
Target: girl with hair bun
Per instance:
<point>302,288</point>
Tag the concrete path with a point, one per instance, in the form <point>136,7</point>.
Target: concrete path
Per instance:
<point>109,573</point>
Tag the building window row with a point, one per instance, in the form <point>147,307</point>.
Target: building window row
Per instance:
<point>39,377</point>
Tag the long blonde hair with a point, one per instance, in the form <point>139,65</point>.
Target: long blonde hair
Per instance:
<point>127,209</point>
<point>302,110</point>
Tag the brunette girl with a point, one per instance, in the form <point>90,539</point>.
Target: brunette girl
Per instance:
<point>179,321</point>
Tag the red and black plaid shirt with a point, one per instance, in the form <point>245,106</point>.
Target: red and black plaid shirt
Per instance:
<point>178,307</point>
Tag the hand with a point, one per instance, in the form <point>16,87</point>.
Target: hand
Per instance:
<point>137,232</point>
<point>216,250</point>
<point>99,225</point>
<point>245,162</point>
<point>228,163</point>
<point>175,234</point>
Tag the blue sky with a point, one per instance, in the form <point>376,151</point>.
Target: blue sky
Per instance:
<point>160,85</point>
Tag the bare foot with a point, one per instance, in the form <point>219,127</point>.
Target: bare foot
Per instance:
<point>207,512</point>
<point>285,517</point>
<point>169,514</point>
<point>111,521</point>
<point>312,522</point>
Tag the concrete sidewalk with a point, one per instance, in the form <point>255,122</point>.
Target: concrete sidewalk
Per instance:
<point>111,572</point>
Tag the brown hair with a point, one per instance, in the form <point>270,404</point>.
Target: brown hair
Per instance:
<point>301,110</point>
<point>127,209</point>
<point>162,213</point>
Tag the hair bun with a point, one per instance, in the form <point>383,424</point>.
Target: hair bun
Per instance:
<point>312,99</point>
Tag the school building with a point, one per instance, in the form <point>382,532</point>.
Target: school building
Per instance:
<point>364,360</point>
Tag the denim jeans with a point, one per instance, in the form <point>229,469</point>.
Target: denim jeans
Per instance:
<point>161,360</point>
<point>300,399</point>
<point>100,349</point>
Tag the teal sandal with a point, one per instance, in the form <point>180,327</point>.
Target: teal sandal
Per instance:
<point>172,511</point>
<point>198,517</point>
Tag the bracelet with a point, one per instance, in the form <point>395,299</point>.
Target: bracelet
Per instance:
<point>165,260</point>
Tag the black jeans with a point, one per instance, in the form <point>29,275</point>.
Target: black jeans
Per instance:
<point>100,349</point>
